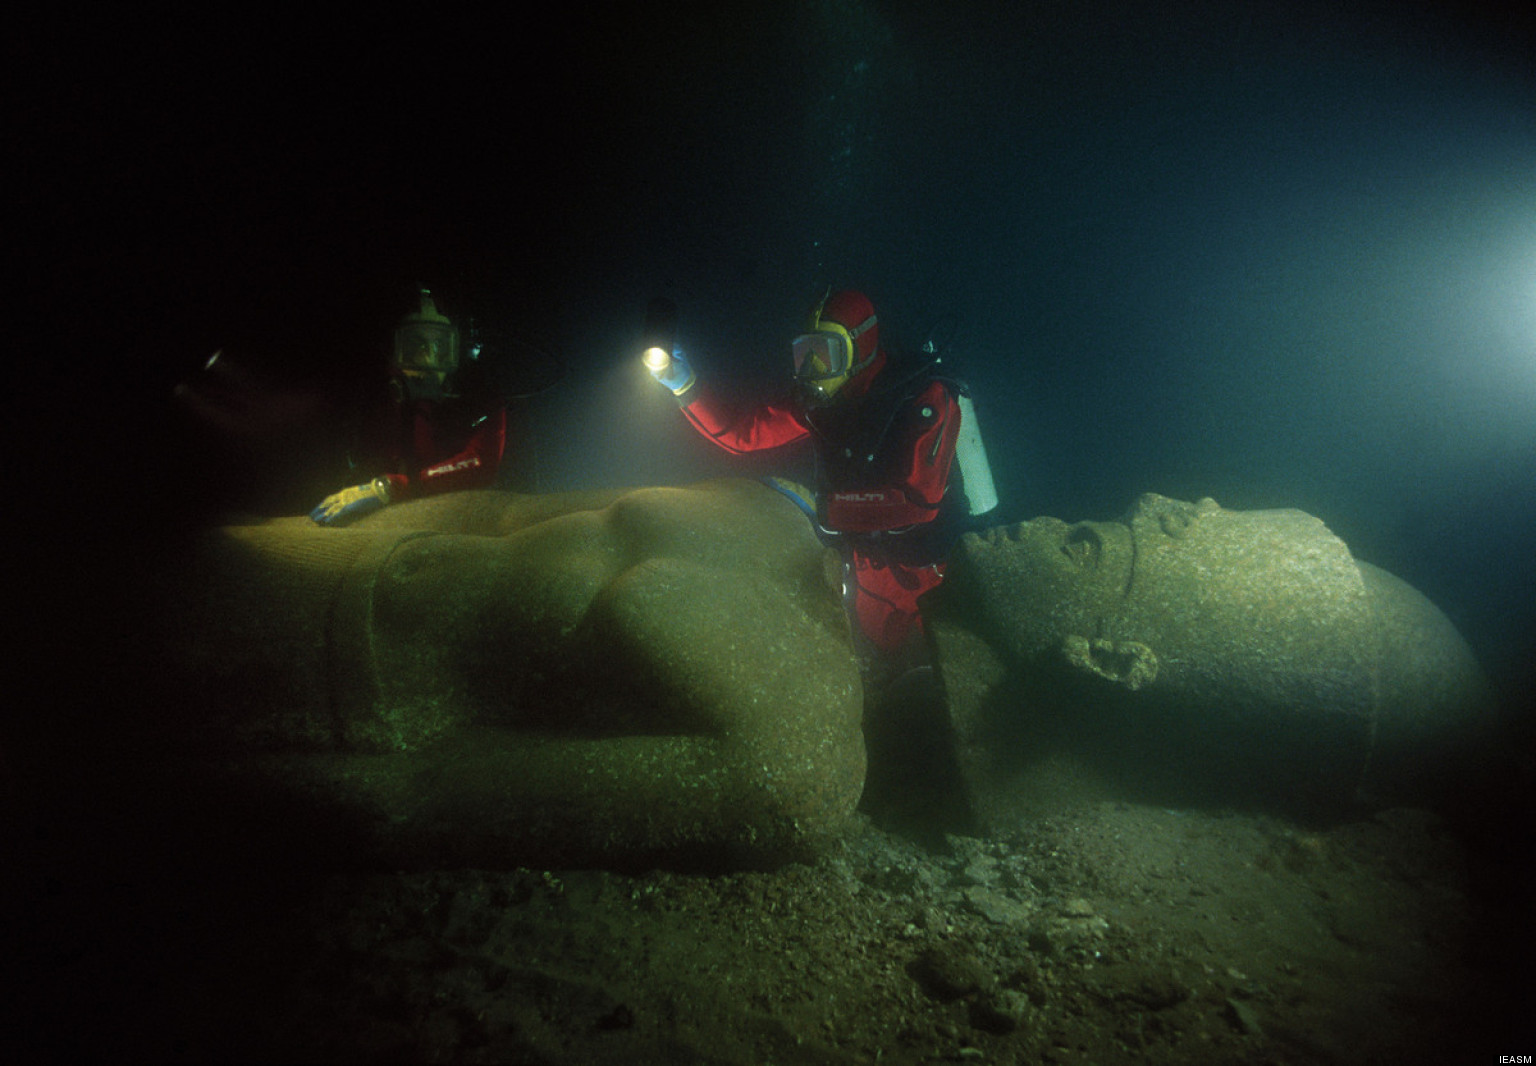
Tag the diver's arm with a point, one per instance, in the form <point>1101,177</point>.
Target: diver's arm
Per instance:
<point>766,426</point>
<point>472,467</point>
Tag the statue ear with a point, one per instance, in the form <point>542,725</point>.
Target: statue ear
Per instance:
<point>1124,662</point>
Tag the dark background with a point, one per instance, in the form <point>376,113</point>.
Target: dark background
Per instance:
<point>1279,254</point>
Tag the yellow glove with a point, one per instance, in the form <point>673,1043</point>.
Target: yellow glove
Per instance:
<point>348,504</point>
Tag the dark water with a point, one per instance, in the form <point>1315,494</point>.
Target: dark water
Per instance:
<point>1279,254</point>
<point>1282,254</point>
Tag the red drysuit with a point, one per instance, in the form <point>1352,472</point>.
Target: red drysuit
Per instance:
<point>885,446</point>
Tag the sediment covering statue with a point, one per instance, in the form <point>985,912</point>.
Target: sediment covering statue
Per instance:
<point>1192,652</point>
<point>484,677</point>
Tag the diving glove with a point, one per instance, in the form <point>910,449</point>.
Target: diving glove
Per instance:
<point>677,375</point>
<point>348,504</point>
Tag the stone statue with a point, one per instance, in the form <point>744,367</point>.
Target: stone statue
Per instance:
<point>666,674</point>
<point>663,674</point>
<point>1191,652</point>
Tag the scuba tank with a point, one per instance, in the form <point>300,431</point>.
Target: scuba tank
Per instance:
<point>971,457</point>
<point>970,452</point>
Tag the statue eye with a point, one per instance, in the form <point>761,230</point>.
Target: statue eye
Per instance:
<point>1083,546</point>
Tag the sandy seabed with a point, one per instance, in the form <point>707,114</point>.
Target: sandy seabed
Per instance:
<point>1104,932</point>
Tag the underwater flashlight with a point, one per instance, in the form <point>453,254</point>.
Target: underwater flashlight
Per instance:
<point>660,335</point>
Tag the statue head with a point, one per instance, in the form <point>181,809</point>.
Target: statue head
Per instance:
<point>1193,626</point>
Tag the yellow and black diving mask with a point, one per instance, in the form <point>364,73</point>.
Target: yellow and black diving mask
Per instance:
<point>822,354</point>
<point>824,357</point>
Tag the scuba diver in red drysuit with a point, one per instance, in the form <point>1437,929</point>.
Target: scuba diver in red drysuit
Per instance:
<point>885,435</point>
<point>434,435</point>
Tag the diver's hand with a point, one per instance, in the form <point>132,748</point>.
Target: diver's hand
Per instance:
<point>341,507</point>
<point>677,375</point>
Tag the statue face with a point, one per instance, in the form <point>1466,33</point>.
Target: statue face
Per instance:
<point>1183,594</point>
<point>1091,553</point>
<point>1037,580</point>
<point>1199,651</point>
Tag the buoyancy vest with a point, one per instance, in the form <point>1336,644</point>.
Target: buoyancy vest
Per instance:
<point>853,439</point>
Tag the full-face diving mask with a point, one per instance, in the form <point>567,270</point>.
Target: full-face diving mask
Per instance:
<point>426,351</point>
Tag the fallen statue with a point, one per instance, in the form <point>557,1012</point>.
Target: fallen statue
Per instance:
<point>666,674</point>
<point>485,677</point>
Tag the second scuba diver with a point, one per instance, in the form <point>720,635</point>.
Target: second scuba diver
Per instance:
<point>433,434</point>
<point>886,433</point>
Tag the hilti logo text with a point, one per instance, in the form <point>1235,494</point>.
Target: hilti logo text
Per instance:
<point>448,468</point>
